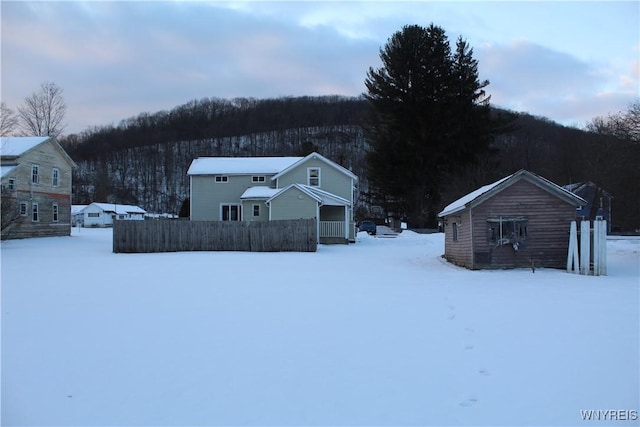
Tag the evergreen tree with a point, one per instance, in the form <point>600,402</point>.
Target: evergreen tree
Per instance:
<point>430,117</point>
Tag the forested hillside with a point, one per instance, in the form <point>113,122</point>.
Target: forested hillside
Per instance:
<point>144,159</point>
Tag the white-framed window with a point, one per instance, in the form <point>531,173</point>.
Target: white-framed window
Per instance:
<point>93,214</point>
<point>230,212</point>
<point>55,177</point>
<point>35,174</point>
<point>256,210</point>
<point>313,177</point>
<point>12,184</point>
<point>222,178</point>
<point>23,209</point>
<point>35,216</point>
<point>507,230</point>
<point>55,212</point>
<point>258,179</point>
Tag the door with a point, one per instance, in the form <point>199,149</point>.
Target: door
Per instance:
<point>230,212</point>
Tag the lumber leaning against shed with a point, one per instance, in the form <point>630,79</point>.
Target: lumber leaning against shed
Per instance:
<point>182,235</point>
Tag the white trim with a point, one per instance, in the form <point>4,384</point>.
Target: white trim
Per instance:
<point>317,156</point>
<point>238,205</point>
<point>55,213</point>
<point>55,177</point>
<point>221,179</point>
<point>35,206</point>
<point>346,222</point>
<point>319,177</point>
<point>35,168</point>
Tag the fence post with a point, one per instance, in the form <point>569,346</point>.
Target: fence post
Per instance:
<point>585,244</point>
<point>573,264</point>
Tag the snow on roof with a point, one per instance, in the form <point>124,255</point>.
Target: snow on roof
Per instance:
<point>75,209</point>
<point>240,165</point>
<point>120,209</point>
<point>460,204</point>
<point>261,192</point>
<point>328,199</point>
<point>563,193</point>
<point>12,146</point>
<point>7,169</point>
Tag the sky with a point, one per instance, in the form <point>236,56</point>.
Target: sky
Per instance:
<point>568,61</point>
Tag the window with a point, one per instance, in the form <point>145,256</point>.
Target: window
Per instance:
<point>221,178</point>
<point>55,212</point>
<point>93,214</point>
<point>506,230</point>
<point>313,177</point>
<point>256,210</point>
<point>257,179</point>
<point>454,231</point>
<point>34,213</point>
<point>55,177</point>
<point>12,184</point>
<point>230,212</point>
<point>23,209</point>
<point>35,174</point>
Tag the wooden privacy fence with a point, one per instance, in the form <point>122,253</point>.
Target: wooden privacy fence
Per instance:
<point>298,235</point>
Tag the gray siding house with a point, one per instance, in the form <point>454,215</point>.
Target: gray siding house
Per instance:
<point>36,187</point>
<point>275,188</point>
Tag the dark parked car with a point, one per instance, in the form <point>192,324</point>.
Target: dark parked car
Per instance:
<point>368,226</point>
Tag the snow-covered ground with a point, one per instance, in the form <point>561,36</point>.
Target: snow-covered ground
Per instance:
<point>382,332</point>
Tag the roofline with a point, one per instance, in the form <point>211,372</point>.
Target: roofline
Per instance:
<point>299,187</point>
<point>533,178</point>
<point>321,158</point>
<point>56,146</point>
<point>327,194</point>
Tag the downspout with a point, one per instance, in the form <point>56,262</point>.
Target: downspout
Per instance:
<point>473,261</point>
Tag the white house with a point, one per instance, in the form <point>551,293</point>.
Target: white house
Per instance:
<point>77,215</point>
<point>102,214</point>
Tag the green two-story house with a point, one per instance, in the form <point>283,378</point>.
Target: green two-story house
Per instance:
<point>275,188</point>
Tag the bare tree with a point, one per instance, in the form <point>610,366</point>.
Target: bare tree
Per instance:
<point>43,112</point>
<point>9,213</point>
<point>624,125</point>
<point>8,120</point>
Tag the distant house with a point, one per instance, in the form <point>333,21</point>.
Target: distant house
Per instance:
<point>514,222</point>
<point>36,187</point>
<point>273,188</point>
<point>598,202</point>
<point>77,215</point>
<point>103,214</point>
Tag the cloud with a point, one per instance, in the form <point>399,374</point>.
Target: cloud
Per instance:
<point>542,81</point>
<point>118,59</point>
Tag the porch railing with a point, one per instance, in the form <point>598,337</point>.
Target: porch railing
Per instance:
<point>331,228</point>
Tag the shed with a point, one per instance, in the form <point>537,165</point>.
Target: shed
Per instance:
<point>518,221</point>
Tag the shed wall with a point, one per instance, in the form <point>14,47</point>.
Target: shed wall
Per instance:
<point>547,228</point>
<point>458,252</point>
